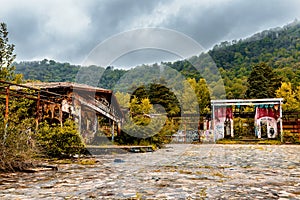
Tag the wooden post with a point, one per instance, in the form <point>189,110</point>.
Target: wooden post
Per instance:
<point>60,116</point>
<point>6,113</point>
<point>37,117</point>
<point>6,103</point>
<point>184,131</point>
<point>213,121</point>
<point>119,128</point>
<point>280,117</point>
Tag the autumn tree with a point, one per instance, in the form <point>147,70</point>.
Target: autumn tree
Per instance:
<point>140,127</point>
<point>189,100</point>
<point>290,97</point>
<point>202,93</point>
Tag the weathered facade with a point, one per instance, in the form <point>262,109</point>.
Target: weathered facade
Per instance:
<point>57,101</point>
<point>267,119</point>
<point>228,119</point>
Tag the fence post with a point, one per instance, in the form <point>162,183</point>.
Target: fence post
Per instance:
<point>6,113</point>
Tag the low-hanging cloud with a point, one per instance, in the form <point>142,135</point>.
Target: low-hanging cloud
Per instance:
<point>68,30</point>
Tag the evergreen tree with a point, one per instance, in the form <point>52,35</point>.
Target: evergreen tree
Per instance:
<point>7,55</point>
<point>262,82</point>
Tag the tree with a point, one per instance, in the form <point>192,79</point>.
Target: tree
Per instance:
<point>202,93</point>
<point>297,96</point>
<point>123,99</point>
<point>286,92</point>
<point>7,55</point>
<point>139,127</point>
<point>159,95</point>
<point>189,99</point>
<point>139,108</point>
<point>57,141</point>
<point>262,82</point>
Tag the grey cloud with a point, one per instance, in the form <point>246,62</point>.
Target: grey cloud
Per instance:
<point>234,20</point>
<point>68,30</point>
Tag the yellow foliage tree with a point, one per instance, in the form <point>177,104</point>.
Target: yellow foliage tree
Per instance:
<point>290,97</point>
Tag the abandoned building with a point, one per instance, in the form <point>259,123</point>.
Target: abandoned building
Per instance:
<point>267,119</point>
<point>57,101</point>
<point>240,119</point>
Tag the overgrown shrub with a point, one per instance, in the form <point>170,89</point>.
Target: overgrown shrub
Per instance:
<point>158,139</point>
<point>17,146</point>
<point>291,138</point>
<point>57,141</point>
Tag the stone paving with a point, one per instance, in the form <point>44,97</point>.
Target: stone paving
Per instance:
<point>179,171</point>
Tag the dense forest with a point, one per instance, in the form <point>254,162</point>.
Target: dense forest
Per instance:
<point>279,48</point>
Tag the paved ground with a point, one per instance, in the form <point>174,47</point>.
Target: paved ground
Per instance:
<point>182,171</point>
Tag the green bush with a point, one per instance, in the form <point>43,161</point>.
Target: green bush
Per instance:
<point>57,141</point>
<point>17,145</point>
<point>289,137</point>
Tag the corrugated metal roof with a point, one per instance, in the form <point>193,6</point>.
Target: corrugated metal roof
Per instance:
<point>48,85</point>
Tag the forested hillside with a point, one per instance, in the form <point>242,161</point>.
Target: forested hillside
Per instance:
<point>279,48</point>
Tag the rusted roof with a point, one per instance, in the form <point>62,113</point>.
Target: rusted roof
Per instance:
<point>76,86</point>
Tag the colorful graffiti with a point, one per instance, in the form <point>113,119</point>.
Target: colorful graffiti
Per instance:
<point>190,136</point>
<point>207,136</point>
<point>266,119</point>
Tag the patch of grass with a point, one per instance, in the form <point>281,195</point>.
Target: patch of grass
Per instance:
<point>202,193</point>
<point>199,172</point>
<point>161,185</point>
<point>224,167</point>
<point>157,170</point>
<point>63,161</point>
<point>205,166</point>
<point>218,174</point>
<point>246,166</point>
<point>227,141</point>
<point>292,167</point>
<point>138,196</point>
<point>189,153</point>
<point>290,138</point>
<point>87,162</point>
<point>235,141</point>
<point>185,172</point>
<point>170,168</point>
<point>259,148</point>
<point>270,142</point>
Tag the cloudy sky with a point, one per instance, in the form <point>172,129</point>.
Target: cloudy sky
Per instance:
<point>68,30</point>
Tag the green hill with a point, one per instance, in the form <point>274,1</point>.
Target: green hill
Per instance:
<point>277,47</point>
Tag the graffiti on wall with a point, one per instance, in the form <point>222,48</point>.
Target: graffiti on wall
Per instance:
<point>188,136</point>
<point>191,136</point>
<point>266,127</point>
<point>223,122</point>
<point>207,136</point>
<point>266,119</point>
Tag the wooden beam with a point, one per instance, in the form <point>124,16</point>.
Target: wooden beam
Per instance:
<point>37,116</point>
<point>6,103</point>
